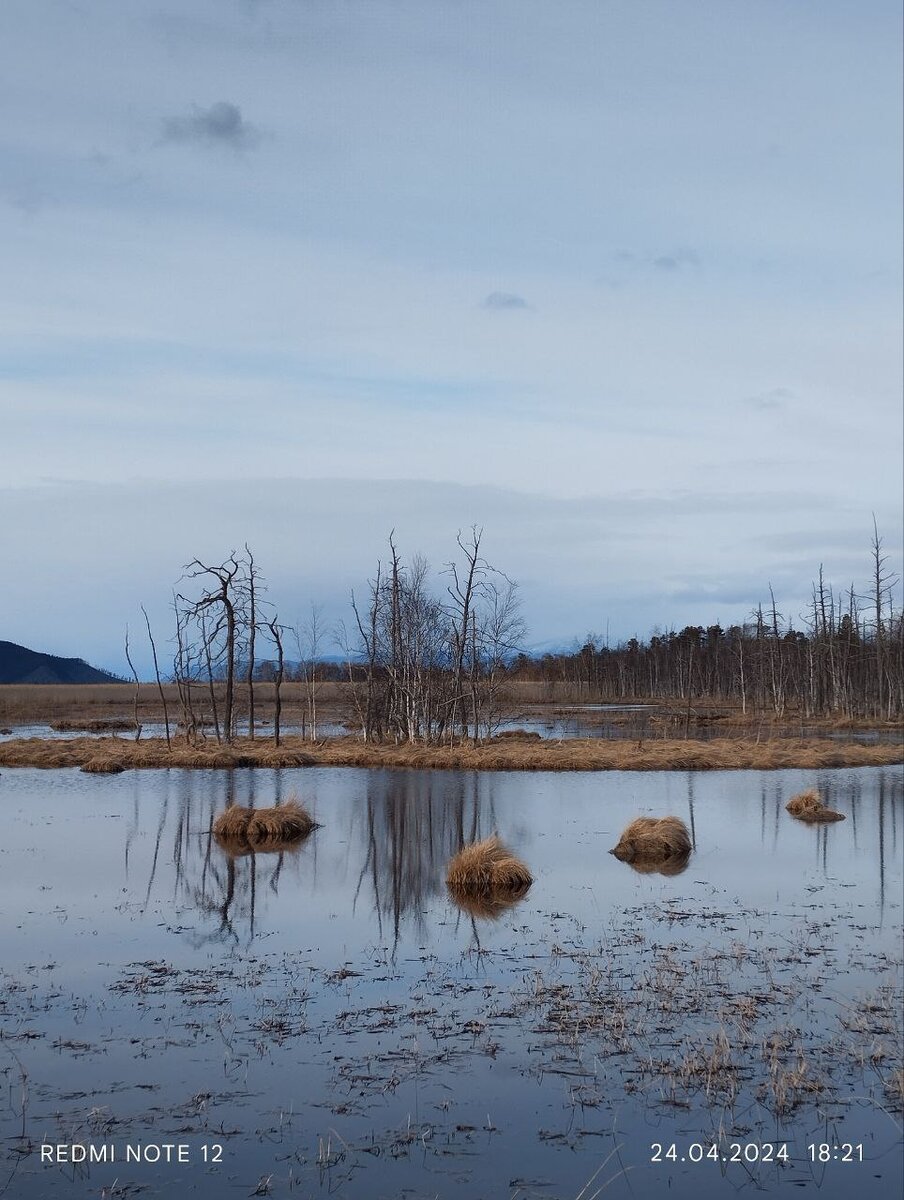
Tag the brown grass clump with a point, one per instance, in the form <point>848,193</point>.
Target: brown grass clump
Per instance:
<point>487,871</point>
<point>653,840</point>
<point>102,766</point>
<point>807,806</point>
<point>241,830</point>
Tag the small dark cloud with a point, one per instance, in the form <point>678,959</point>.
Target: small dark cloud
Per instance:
<point>220,125</point>
<point>771,401</point>
<point>504,300</point>
<point>676,260</point>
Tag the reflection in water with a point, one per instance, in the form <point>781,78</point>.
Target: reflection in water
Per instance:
<point>397,831</point>
<point>220,886</point>
<point>414,825</point>
<point>674,864</point>
<point>490,906</point>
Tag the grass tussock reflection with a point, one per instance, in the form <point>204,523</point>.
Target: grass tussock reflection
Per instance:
<point>240,830</point>
<point>808,806</point>
<point>674,864</point>
<point>485,878</point>
<point>489,906</point>
<point>653,842</point>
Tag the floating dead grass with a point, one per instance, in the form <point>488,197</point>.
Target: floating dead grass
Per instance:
<point>485,878</point>
<point>241,830</point>
<point>808,806</point>
<point>654,842</point>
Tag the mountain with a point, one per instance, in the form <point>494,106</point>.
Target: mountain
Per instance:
<point>19,665</point>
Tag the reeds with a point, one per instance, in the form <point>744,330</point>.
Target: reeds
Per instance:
<point>241,830</point>
<point>808,806</point>
<point>485,878</point>
<point>655,842</point>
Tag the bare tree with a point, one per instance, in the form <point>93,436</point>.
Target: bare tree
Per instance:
<point>166,723</point>
<point>137,687</point>
<point>220,594</point>
<point>276,632</point>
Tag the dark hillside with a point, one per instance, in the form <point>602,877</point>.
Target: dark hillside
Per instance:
<point>20,665</point>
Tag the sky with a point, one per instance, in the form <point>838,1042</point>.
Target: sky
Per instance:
<point>619,283</point>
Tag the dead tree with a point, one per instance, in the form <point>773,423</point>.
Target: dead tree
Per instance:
<point>166,723</point>
<point>251,581</point>
<point>137,687</point>
<point>221,596</point>
<point>276,633</point>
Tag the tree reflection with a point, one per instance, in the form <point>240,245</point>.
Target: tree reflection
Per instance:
<point>412,827</point>
<point>220,884</point>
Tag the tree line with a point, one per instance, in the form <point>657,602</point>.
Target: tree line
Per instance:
<point>429,657</point>
<point>845,660</point>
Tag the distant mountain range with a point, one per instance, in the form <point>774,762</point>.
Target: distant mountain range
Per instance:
<point>20,665</point>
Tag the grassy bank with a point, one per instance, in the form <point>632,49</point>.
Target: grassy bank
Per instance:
<point>718,754</point>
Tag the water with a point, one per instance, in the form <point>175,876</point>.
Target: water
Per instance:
<point>326,1022</point>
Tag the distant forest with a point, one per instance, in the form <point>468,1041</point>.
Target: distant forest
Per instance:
<point>432,665</point>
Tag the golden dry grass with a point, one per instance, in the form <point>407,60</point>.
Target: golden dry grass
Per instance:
<point>578,754</point>
<point>240,830</point>
<point>653,840</point>
<point>487,870</point>
<point>103,766</point>
<point>808,806</point>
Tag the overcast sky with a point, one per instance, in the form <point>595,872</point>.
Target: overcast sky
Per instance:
<point>619,281</point>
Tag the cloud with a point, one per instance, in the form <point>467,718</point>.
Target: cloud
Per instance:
<point>501,301</point>
<point>222,124</point>
<point>771,401</point>
<point>676,260</point>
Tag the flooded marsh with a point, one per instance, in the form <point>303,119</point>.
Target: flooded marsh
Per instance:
<point>327,1020</point>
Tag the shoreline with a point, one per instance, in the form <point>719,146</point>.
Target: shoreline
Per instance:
<point>112,755</point>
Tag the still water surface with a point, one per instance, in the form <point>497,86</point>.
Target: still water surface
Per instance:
<point>332,1022</point>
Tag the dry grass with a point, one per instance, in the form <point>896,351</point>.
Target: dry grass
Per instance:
<point>578,754</point>
<point>654,840</point>
<point>241,830</point>
<point>487,871</point>
<point>807,806</point>
<point>103,766</point>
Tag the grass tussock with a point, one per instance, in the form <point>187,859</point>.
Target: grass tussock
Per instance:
<point>578,754</point>
<point>102,766</point>
<point>808,806</point>
<point>654,840</point>
<point>241,830</point>
<point>487,871</point>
